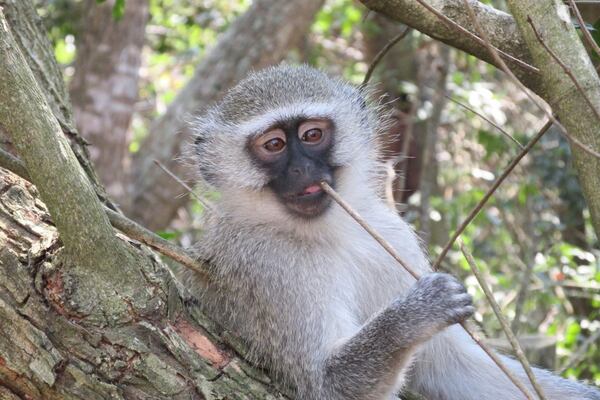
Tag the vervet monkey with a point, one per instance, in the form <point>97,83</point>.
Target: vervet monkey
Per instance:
<point>317,299</point>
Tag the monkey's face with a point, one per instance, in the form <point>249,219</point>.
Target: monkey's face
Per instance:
<point>295,155</point>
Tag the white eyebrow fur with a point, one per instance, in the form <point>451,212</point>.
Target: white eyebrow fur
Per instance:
<point>259,124</point>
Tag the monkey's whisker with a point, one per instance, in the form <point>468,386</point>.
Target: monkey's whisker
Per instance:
<point>390,249</point>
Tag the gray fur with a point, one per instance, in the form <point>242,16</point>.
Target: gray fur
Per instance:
<point>319,302</point>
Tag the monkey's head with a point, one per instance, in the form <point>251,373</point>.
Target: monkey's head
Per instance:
<point>280,132</point>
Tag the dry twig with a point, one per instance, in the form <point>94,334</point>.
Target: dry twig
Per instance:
<point>495,55</point>
<point>503,322</point>
<point>207,204</point>
<point>453,25</point>
<point>565,68</point>
<point>486,119</point>
<point>391,251</point>
<point>489,194</point>
<point>586,33</point>
<point>383,52</point>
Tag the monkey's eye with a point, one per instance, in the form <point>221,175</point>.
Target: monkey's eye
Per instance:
<point>270,145</point>
<point>315,132</point>
<point>312,135</point>
<point>274,145</point>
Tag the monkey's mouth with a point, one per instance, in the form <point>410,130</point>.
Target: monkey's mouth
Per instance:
<point>311,201</point>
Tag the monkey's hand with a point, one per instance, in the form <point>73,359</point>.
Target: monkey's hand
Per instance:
<point>367,364</point>
<point>438,300</point>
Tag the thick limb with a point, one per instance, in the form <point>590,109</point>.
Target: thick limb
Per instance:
<point>369,364</point>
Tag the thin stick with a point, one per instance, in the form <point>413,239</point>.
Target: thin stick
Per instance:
<point>489,121</point>
<point>143,235</point>
<point>507,331</point>
<point>205,203</point>
<point>489,193</point>
<point>391,251</point>
<point>383,52</point>
<point>453,25</point>
<point>586,34</point>
<point>408,134</point>
<point>565,68</point>
<point>384,243</point>
<point>124,224</point>
<point>14,164</point>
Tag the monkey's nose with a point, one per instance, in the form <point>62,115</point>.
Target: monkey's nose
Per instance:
<point>301,170</point>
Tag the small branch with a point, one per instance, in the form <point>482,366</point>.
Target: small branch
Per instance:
<point>383,52</point>
<point>362,222</point>
<point>391,251</point>
<point>489,121</point>
<point>13,164</point>
<point>205,203</point>
<point>143,235</point>
<point>124,224</point>
<point>565,68</point>
<point>586,33</point>
<point>489,194</point>
<point>507,331</point>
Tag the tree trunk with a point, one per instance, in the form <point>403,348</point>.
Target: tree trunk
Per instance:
<point>260,37</point>
<point>432,87</point>
<point>84,313</point>
<point>104,88</point>
<point>49,350</point>
<point>28,32</point>
<point>567,101</point>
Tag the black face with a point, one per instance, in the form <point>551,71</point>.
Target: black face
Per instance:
<point>296,156</point>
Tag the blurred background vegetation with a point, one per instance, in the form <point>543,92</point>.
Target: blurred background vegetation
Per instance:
<point>534,239</point>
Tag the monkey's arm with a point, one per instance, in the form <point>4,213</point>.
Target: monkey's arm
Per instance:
<point>368,365</point>
<point>452,366</point>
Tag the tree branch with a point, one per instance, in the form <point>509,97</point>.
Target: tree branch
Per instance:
<point>449,22</point>
<point>53,168</point>
<point>503,322</point>
<point>392,252</point>
<point>122,223</point>
<point>568,102</point>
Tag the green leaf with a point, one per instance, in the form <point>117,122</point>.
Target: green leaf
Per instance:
<point>118,9</point>
<point>493,143</point>
<point>168,235</point>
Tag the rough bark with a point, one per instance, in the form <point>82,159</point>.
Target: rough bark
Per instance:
<point>551,20</point>
<point>260,37</point>
<point>48,350</point>
<point>104,88</point>
<point>90,244</point>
